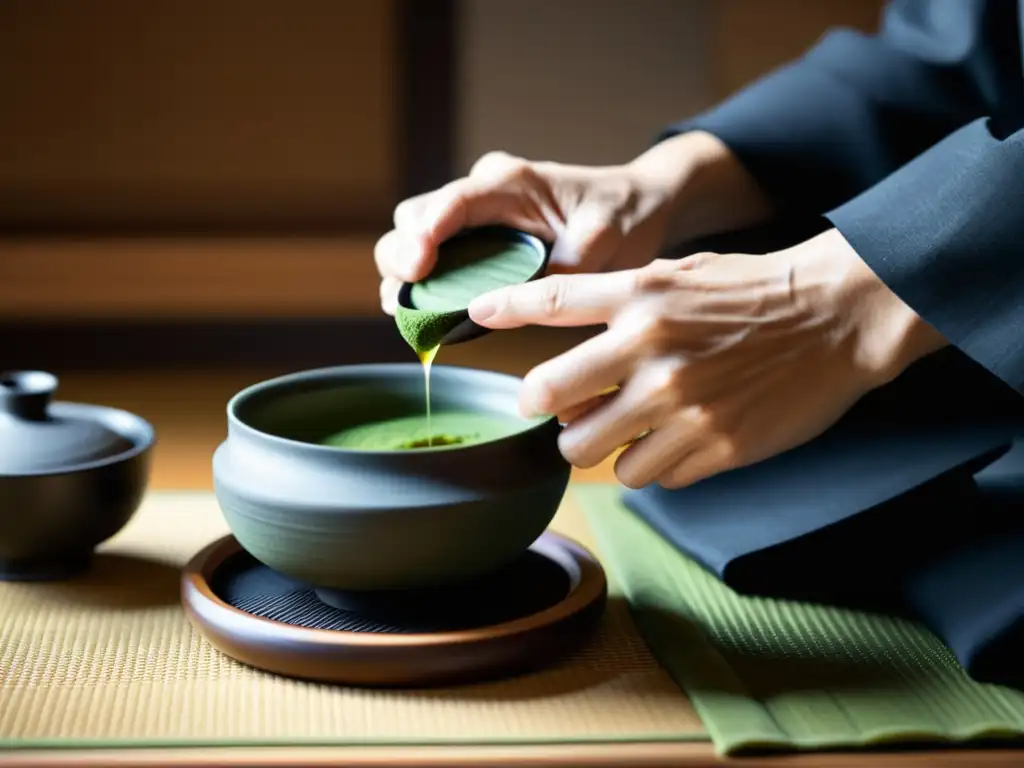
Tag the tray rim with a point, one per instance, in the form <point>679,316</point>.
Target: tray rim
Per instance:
<point>221,624</point>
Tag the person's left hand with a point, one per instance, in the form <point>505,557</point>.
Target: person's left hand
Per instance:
<point>720,360</point>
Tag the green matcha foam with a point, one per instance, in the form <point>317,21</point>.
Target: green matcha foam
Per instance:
<point>424,331</point>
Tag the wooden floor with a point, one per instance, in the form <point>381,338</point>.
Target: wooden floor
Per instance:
<point>187,408</point>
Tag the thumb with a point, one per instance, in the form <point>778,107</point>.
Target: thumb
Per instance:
<point>556,300</point>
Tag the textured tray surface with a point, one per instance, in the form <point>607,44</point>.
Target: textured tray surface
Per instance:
<point>110,658</point>
<point>529,586</point>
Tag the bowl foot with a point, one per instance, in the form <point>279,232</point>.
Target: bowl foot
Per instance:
<point>45,568</point>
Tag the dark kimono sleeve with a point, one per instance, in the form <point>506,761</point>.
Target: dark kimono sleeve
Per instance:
<point>946,234</point>
<point>909,142</point>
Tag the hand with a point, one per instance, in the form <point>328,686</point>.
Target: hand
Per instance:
<point>598,218</point>
<point>722,360</point>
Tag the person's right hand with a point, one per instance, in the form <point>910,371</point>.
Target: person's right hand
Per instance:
<point>598,218</point>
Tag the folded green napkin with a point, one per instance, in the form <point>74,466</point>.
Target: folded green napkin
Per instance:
<point>774,674</point>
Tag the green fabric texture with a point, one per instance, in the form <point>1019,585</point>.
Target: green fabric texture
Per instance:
<point>771,674</point>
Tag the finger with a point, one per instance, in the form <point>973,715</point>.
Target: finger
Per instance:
<point>474,202</point>
<point>646,401</point>
<point>408,214</point>
<point>585,407</point>
<point>581,410</point>
<point>556,300</point>
<point>708,460</point>
<point>497,197</point>
<point>400,256</point>
<point>589,440</point>
<point>660,451</point>
<point>389,287</point>
<point>574,377</point>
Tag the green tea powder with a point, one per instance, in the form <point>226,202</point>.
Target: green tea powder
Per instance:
<point>424,331</point>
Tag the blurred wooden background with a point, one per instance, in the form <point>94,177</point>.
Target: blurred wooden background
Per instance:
<point>171,114</point>
<point>190,190</point>
<point>198,160</point>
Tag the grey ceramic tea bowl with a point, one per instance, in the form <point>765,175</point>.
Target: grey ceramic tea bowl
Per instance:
<point>358,521</point>
<point>71,476</point>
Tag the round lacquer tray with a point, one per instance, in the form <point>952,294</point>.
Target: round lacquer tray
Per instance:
<point>542,605</point>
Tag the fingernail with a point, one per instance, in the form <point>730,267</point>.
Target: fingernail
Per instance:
<point>529,412</point>
<point>526,403</point>
<point>414,270</point>
<point>482,309</point>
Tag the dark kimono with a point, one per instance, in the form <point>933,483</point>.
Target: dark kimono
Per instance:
<point>911,143</point>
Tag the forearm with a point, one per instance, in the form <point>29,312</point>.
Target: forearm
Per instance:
<point>707,190</point>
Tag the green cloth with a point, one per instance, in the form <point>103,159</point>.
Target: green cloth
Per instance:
<point>768,673</point>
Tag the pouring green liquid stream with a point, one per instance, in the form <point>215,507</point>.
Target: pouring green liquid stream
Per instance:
<point>467,267</point>
<point>426,359</point>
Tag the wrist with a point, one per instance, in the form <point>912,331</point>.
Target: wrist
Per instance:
<point>884,335</point>
<point>704,188</point>
<point>914,340</point>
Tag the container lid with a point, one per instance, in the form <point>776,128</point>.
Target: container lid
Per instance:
<point>37,438</point>
<point>473,262</point>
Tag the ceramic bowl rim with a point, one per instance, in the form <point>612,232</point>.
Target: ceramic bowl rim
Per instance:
<point>530,426</point>
<point>536,244</point>
<point>107,416</point>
